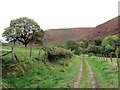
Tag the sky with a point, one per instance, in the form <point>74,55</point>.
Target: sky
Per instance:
<point>52,14</point>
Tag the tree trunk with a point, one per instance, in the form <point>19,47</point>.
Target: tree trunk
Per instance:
<point>25,45</point>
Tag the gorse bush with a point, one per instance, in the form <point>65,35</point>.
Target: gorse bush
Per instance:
<point>57,53</point>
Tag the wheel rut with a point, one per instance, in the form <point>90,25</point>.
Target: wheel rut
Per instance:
<point>77,81</point>
<point>92,75</point>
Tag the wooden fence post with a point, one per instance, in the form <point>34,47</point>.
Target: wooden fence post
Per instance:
<point>111,59</point>
<point>12,54</point>
<point>106,59</point>
<point>118,62</point>
<point>39,52</point>
<point>30,52</point>
<point>103,57</point>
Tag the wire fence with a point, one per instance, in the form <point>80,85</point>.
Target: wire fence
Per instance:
<point>14,53</point>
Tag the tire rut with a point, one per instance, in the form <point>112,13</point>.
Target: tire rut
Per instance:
<point>77,82</point>
<point>94,82</point>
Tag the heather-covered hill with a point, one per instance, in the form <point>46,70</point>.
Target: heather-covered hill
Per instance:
<point>110,27</point>
<point>58,36</point>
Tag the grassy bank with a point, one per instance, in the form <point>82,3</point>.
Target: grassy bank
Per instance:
<point>106,74</point>
<point>36,74</point>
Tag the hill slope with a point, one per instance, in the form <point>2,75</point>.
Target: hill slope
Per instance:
<point>58,36</point>
<point>108,28</point>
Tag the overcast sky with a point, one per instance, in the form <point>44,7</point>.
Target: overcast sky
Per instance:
<point>51,14</point>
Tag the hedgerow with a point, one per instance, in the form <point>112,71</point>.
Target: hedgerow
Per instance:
<point>56,53</point>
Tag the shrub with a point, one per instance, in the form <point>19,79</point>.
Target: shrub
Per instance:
<point>73,45</point>
<point>117,52</point>
<point>112,54</point>
<point>78,51</point>
<point>90,54</point>
<point>57,53</point>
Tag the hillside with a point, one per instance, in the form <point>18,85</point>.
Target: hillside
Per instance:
<point>108,28</point>
<point>58,36</point>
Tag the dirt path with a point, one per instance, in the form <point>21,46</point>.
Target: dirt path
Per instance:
<point>77,82</point>
<point>94,82</point>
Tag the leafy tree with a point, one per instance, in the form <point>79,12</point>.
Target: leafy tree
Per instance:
<point>98,41</point>
<point>94,49</point>
<point>117,52</point>
<point>109,49</point>
<point>110,40</point>
<point>86,42</point>
<point>82,44</point>
<point>112,54</point>
<point>70,44</point>
<point>78,51</point>
<point>25,31</point>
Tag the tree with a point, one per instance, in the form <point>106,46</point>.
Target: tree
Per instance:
<point>86,42</point>
<point>110,40</point>
<point>78,51</point>
<point>82,44</point>
<point>117,52</point>
<point>108,49</point>
<point>94,49</point>
<point>98,41</point>
<point>25,31</point>
<point>70,44</point>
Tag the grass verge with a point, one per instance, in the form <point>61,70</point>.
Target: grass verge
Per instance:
<point>107,75</point>
<point>36,74</point>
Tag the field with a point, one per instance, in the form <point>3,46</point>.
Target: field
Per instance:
<point>36,73</point>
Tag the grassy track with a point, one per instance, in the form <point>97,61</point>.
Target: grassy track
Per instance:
<point>86,79</point>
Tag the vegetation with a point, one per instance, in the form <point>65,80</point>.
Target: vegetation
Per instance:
<point>56,53</point>
<point>98,41</point>
<point>25,31</point>
<point>57,66</point>
<point>70,44</point>
<point>38,74</point>
<point>107,75</point>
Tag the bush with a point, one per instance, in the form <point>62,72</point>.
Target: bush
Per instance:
<point>57,53</point>
<point>90,54</point>
<point>73,45</point>
<point>112,54</point>
<point>117,52</point>
<point>78,51</point>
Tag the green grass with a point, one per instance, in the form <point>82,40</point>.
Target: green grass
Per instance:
<point>114,61</point>
<point>23,52</point>
<point>60,74</point>
<point>107,75</point>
